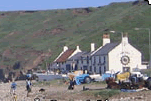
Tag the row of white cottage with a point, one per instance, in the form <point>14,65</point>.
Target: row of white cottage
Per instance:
<point>109,57</point>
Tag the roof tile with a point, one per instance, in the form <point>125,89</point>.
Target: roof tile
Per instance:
<point>65,55</point>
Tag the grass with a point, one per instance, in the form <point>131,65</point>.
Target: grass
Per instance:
<point>99,82</point>
<point>103,94</point>
<point>56,82</point>
<point>148,72</point>
<point>79,29</point>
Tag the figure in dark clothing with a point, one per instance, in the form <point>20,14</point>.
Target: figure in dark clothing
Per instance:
<point>28,86</point>
<point>71,86</point>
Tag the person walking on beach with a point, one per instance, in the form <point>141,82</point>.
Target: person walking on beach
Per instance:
<point>13,87</point>
<point>28,86</point>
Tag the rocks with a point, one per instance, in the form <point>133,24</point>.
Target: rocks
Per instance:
<point>134,98</point>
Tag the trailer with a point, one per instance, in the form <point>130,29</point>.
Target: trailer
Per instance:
<point>79,77</point>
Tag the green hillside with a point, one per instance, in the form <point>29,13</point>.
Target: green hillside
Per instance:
<point>24,35</point>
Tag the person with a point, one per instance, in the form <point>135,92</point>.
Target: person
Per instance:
<point>28,86</point>
<point>28,76</point>
<point>71,86</point>
<point>14,97</point>
<point>13,87</point>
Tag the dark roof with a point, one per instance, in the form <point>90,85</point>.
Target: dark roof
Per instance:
<point>77,56</point>
<point>65,55</point>
<point>106,49</point>
<point>89,54</point>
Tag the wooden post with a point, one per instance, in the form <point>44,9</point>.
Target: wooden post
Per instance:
<point>46,67</point>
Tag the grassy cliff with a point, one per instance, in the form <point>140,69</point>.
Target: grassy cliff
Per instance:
<point>25,35</point>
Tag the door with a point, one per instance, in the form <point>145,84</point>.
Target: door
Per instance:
<point>68,67</point>
<point>76,67</point>
<point>126,69</point>
<point>84,67</point>
<point>100,71</point>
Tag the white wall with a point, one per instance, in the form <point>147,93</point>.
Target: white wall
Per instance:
<point>143,66</point>
<point>116,54</point>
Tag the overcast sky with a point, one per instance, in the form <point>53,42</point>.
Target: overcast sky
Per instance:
<point>11,5</point>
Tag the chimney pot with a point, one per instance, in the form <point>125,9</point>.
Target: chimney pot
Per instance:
<point>125,34</point>
<point>125,38</point>
<point>106,38</point>
<point>106,35</point>
<point>65,48</point>
<point>77,47</point>
<point>92,47</point>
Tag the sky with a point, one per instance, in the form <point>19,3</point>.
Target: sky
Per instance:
<point>13,5</point>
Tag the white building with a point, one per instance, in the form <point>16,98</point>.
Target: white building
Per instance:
<point>108,57</point>
<point>116,56</point>
<point>61,62</point>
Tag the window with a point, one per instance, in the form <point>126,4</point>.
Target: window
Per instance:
<point>104,58</point>
<point>68,67</point>
<point>104,69</point>
<point>81,60</point>
<point>99,59</point>
<point>57,64</point>
<point>94,60</point>
<point>94,69</point>
<point>100,71</point>
<point>87,60</point>
<point>77,61</point>
<point>81,68</point>
<point>90,68</point>
<point>90,58</point>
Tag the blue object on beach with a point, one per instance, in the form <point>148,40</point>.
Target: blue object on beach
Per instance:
<point>81,78</point>
<point>13,85</point>
<point>107,75</point>
<point>28,75</point>
<point>128,90</point>
<point>77,81</point>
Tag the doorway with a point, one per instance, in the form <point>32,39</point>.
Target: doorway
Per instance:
<point>126,69</point>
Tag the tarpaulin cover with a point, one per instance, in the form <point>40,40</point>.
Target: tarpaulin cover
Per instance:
<point>128,90</point>
<point>123,76</point>
<point>77,81</point>
<point>107,75</point>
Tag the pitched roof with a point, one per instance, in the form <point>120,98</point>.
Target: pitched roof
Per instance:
<point>77,56</point>
<point>65,55</point>
<point>106,49</point>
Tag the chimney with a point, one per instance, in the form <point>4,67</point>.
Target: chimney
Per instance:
<point>65,48</point>
<point>92,47</point>
<point>78,48</point>
<point>125,38</point>
<point>106,38</point>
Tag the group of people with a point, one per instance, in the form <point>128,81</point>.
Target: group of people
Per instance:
<point>14,86</point>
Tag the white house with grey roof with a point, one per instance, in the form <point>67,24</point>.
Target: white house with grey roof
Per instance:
<point>116,56</point>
